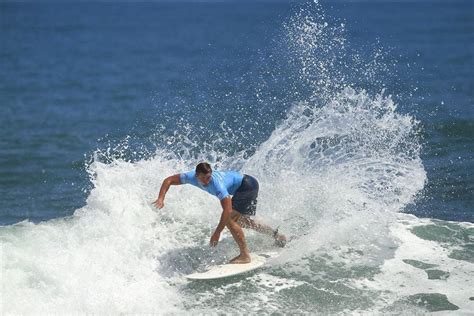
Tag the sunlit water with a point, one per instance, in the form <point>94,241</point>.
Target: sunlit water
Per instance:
<point>337,170</point>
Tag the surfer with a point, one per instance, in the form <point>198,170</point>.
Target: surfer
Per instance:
<point>238,196</point>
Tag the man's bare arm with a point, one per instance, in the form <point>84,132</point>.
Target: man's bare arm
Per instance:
<point>171,180</point>
<point>225,217</point>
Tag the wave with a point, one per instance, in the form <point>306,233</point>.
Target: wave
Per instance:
<point>335,175</point>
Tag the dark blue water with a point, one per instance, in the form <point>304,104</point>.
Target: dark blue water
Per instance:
<point>80,77</point>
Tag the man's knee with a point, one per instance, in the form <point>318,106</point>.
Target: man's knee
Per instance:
<point>235,216</point>
<point>233,222</point>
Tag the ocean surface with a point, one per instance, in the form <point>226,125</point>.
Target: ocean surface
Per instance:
<point>357,118</point>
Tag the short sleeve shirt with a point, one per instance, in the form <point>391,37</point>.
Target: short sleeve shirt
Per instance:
<point>222,184</point>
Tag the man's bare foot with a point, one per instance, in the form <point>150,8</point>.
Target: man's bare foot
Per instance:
<point>280,240</point>
<point>241,259</point>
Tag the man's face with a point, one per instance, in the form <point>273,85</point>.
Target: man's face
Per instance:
<point>204,179</point>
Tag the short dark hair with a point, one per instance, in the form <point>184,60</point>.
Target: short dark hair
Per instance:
<point>203,168</point>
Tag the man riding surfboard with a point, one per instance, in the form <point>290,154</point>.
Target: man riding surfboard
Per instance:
<point>238,196</point>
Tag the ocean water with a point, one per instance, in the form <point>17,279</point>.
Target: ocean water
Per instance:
<point>357,118</point>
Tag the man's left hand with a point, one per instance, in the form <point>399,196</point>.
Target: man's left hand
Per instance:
<point>215,239</point>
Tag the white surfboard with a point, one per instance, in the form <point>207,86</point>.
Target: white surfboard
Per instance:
<point>231,269</point>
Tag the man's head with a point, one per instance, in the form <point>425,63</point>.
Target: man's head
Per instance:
<point>204,173</point>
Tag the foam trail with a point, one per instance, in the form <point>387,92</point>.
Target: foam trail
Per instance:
<point>344,161</point>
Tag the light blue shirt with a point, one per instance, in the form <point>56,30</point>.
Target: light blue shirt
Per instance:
<point>222,184</point>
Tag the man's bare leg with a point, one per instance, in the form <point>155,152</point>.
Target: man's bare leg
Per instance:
<point>239,238</point>
<point>247,222</point>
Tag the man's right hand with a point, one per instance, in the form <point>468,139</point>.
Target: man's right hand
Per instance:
<point>172,180</point>
<point>159,203</point>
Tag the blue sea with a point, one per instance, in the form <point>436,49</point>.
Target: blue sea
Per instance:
<point>357,118</point>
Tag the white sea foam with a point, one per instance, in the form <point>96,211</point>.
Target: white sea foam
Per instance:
<point>399,279</point>
<point>102,259</point>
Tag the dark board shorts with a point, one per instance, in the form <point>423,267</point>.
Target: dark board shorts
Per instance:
<point>244,200</point>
